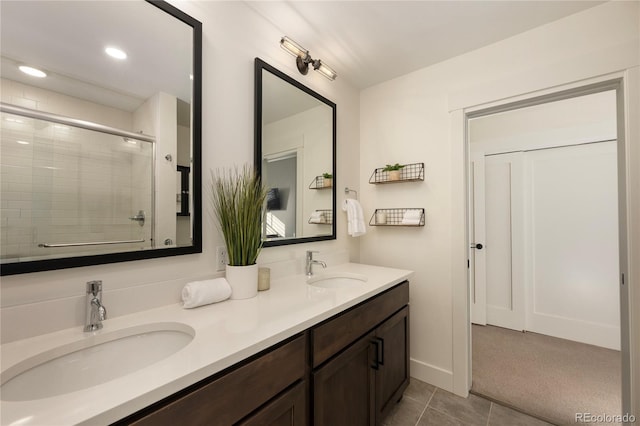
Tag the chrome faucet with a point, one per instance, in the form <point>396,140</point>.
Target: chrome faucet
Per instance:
<point>96,312</point>
<point>310,262</point>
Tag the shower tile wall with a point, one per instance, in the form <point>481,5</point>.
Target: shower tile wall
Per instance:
<point>63,184</point>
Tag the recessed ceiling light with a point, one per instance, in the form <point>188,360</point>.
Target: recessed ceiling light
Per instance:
<point>14,120</point>
<point>114,52</point>
<point>34,72</point>
<point>23,142</point>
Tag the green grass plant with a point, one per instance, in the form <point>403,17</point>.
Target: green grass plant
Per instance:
<point>238,200</point>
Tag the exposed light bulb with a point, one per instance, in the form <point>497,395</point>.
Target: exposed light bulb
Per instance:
<point>293,48</point>
<point>327,71</point>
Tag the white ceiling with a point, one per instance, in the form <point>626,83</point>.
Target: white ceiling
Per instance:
<point>368,42</point>
<point>158,47</point>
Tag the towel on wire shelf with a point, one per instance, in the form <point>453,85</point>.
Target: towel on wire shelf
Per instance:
<point>412,217</point>
<point>355,218</point>
<point>198,293</point>
<point>317,217</point>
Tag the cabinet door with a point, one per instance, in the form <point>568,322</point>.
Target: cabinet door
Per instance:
<point>231,397</point>
<point>392,355</point>
<point>288,409</point>
<point>343,389</point>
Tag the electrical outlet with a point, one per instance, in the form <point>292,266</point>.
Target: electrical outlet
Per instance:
<point>221,258</point>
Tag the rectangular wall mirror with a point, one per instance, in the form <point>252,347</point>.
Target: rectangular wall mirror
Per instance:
<point>100,147</point>
<point>295,154</point>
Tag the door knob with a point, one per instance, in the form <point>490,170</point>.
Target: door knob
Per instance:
<point>477,246</point>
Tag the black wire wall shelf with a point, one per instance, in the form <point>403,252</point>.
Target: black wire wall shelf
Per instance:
<point>408,173</point>
<point>320,182</point>
<point>325,217</point>
<point>398,217</point>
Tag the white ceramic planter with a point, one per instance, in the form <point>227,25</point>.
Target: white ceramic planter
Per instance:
<point>243,281</point>
<point>395,174</point>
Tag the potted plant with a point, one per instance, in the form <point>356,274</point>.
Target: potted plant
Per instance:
<point>238,199</point>
<point>327,180</point>
<point>394,170</point>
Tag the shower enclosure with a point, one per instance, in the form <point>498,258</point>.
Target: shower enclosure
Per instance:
<point>70,187</point>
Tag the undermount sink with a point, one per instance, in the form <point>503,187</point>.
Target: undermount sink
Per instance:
<point>337,280</point>
<point>94,360</point>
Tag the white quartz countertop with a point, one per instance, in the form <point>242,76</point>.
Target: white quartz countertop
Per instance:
<point>225,333</point>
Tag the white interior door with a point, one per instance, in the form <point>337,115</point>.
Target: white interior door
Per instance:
<point>504,229</point>
<point>572,254</point>
<point>477,260</point>
<point>497,268</point>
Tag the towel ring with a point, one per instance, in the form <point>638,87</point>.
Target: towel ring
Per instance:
<point>347,191</point>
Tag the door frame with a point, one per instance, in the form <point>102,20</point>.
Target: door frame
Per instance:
<point>627,106</point>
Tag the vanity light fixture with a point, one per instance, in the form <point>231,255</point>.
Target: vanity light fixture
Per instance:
<point>23,142</point>
<point>114,52</point>
<point>33,72</point>
<point>303,59</point>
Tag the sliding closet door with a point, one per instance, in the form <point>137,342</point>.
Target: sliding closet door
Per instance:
<point>572,249</point>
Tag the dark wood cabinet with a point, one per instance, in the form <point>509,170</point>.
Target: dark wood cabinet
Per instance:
<point>392,375</point>
<point>289,409</point>
<point>349,370</point>
<point>228,398</point>
<point>362,380</point>
<point>343,389</point>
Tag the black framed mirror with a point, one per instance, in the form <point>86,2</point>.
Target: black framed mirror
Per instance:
<point>295,155</point>
<point>96,141</point>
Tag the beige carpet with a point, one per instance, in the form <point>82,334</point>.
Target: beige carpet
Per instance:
<point>544,376</point>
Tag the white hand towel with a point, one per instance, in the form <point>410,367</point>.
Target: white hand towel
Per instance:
<point>198,293</point>
<point>355,217</point>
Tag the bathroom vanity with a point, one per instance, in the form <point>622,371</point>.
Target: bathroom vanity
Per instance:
<point>297,354</point>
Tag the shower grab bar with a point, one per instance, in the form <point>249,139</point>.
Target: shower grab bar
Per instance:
<point>96,243</point>
<point>83,124</point>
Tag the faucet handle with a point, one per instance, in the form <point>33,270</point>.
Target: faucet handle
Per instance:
<point>102,313</point>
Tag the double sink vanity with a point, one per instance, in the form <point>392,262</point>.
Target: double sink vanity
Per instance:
<point>328,350</point>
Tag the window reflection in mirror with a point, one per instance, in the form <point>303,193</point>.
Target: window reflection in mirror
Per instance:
<point>295,150</point>
<point>91,150</point>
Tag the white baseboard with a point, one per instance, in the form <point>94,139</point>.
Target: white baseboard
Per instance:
<point>433,375</point>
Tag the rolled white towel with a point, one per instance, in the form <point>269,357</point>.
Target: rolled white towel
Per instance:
<point>412,217</point>
<point>317,217</point>
<point>198,293</point>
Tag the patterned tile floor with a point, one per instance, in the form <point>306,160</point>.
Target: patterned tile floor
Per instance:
<point>426,405</point>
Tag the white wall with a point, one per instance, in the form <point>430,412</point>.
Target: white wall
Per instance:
<point>411,118</point>
<point>157,117</point>
<point>233,35</point>
<point>32,97</point>
<point>589,118</point>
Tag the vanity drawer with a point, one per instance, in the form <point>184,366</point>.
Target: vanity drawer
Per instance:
<point>231,397</point>
<point>335,334</point>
